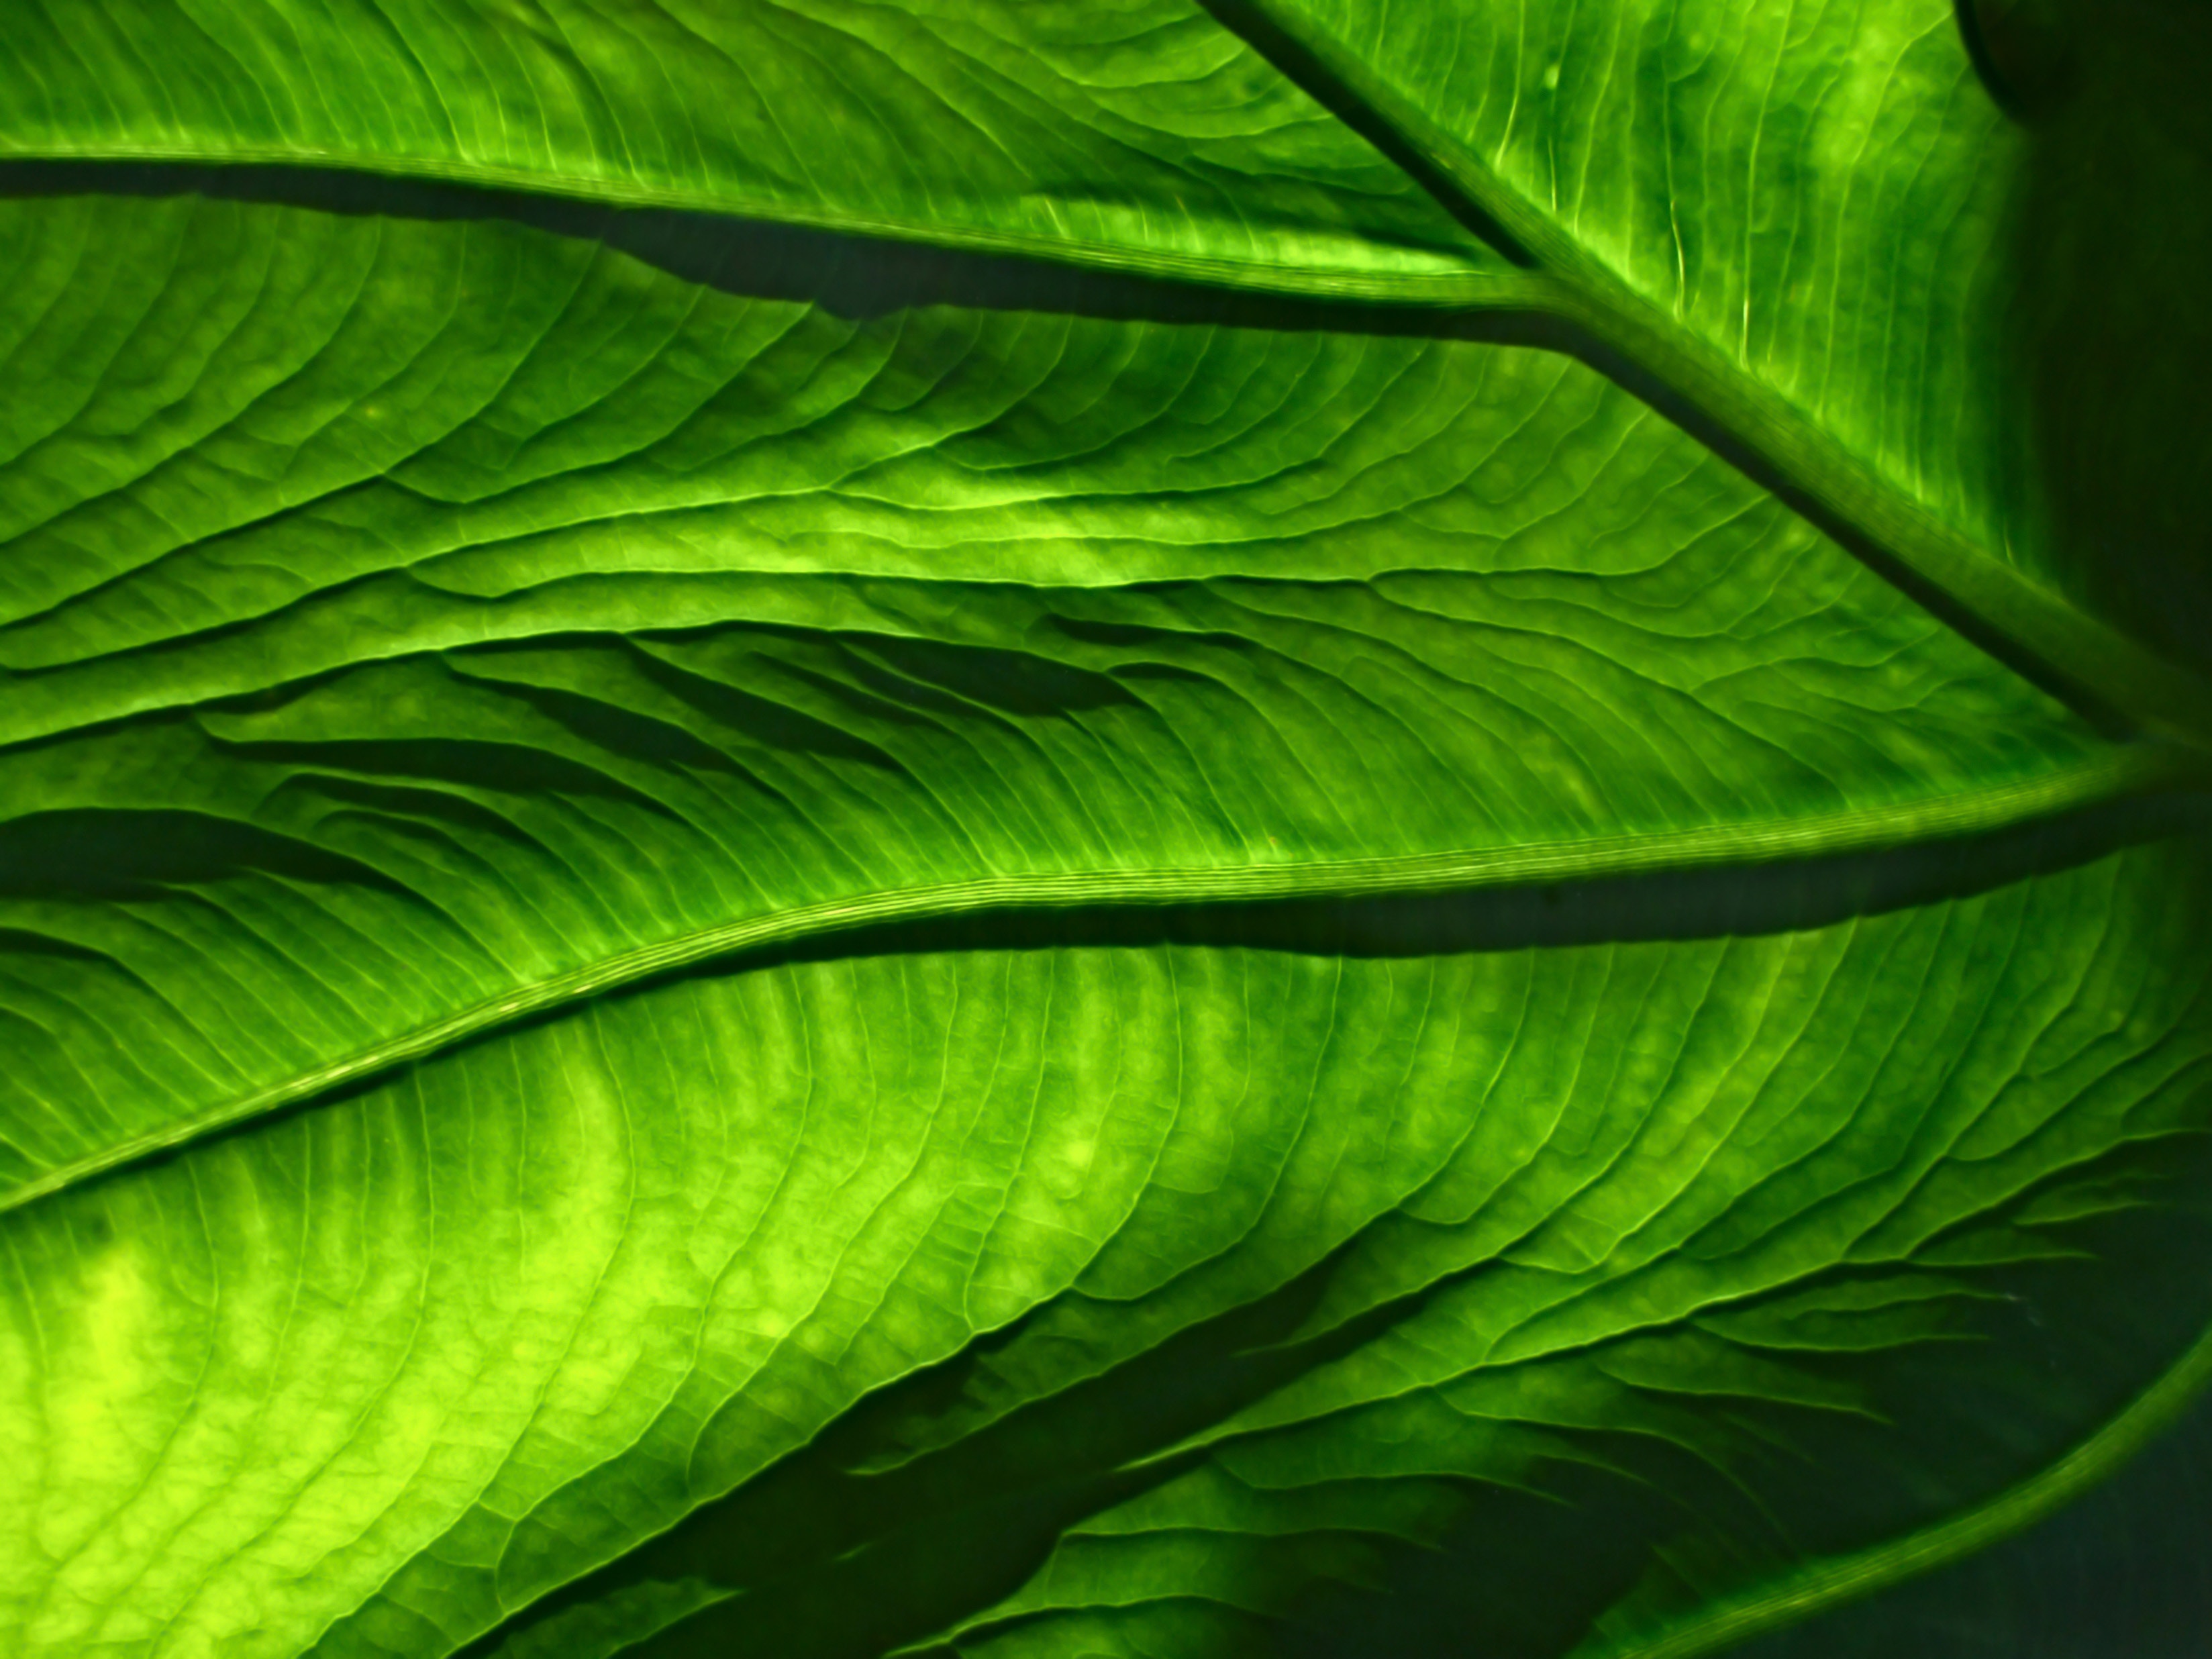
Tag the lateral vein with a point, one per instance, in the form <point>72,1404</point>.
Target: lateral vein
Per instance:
<point>2157,695</point>
<point>2127,770</point>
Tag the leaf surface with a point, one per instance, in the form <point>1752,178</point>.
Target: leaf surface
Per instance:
<point>1137,135</point>
<point>747,930</point>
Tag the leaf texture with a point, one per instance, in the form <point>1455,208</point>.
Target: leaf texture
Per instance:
<point>453,1339</point>
<point>1140,134</point>
<point>783,608</point>
<point>1029,830</point>
<point>1818,194</point>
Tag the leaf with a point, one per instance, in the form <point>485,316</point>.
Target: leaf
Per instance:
<point>1144,138</point>
<point>1054,830</point>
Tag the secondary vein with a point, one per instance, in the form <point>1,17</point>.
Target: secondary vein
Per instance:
<point>2129,770</point>
<point>2157,695</point>
<point>1596,315</point>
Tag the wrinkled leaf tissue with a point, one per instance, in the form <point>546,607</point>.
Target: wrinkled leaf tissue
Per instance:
<point>1173,828</point>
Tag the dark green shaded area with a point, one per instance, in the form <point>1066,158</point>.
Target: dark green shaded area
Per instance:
<point>2122,1570</point>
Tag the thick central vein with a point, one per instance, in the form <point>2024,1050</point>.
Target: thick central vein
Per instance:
<point>2132,770</point>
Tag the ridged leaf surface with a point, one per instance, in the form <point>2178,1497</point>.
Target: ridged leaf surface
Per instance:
<point>1043,830</point>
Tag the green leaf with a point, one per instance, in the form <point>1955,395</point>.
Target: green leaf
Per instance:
<point>1144,138</point>
<point>1057,830</point>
